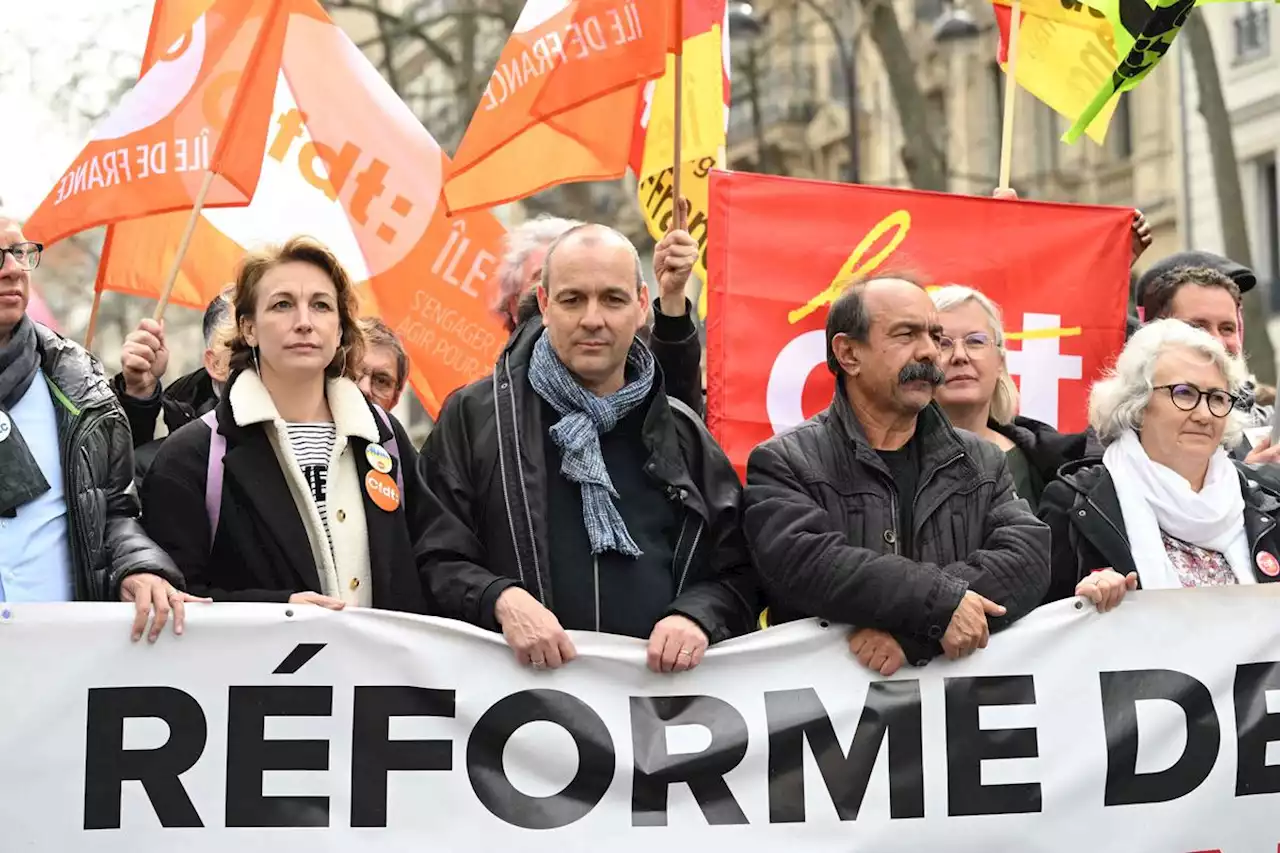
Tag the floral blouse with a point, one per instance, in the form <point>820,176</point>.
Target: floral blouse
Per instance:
<point>1198,566</point>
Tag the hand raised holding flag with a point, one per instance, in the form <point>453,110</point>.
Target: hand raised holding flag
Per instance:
<point>673,260</point>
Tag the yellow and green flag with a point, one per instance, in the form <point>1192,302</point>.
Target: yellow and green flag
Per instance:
<point>1143,31</point>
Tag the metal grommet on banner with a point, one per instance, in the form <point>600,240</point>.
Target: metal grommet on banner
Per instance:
<point>1079,605</point>
<point>1080,513</point>
<point>288,614</point>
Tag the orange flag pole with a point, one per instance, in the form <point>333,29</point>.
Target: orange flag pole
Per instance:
<point>182,247</point>
<point>93,318</point>
<point>676,207</point>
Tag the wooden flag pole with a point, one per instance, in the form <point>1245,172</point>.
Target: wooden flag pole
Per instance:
<point>182,247</point>
<point>93,319</point>
<point>1010,95</point>
<point>676,208</point>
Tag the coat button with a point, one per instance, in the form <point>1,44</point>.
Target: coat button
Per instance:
<point>935,632</point>
<point>355,583</point>
<point>342,515</point>
<point>890,537</point>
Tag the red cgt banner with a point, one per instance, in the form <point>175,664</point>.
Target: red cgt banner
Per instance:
<point>782,248</point>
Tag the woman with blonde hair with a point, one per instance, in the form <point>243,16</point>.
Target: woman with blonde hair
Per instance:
<point>295,488</point>
<point>979,394</point>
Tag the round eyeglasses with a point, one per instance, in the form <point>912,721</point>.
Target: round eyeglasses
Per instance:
<point>1187,397</point>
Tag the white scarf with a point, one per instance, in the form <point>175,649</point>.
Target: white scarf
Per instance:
<point>1154,498</point>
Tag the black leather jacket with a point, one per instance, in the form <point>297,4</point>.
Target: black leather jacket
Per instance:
<point>1082,510</point>
<point>107,543</point>
<point>822,517</point>
<point>484,460</point>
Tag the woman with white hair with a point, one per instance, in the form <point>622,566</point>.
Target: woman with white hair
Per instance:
<point>1167,507</point>
<point>979,395</point>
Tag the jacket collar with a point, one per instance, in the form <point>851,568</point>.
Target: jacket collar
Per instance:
<point>251,403</point>
<point>1093,483</point>
<point>666,461</point>
<point>72,369</point>
<point>939,442</point>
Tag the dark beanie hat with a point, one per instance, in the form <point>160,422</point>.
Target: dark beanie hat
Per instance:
<point>1239,273</point>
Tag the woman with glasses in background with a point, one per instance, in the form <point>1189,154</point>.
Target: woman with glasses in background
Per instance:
<point>979,395</point>
<point>1166,507</point>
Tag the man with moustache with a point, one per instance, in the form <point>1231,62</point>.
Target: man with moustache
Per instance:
<point>877,513</point>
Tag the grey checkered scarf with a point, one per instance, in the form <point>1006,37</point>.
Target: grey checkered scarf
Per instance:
<point>583,417</point>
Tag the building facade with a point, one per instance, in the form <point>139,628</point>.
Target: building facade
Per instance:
<point>1245,40</point>
<point>792,112</point>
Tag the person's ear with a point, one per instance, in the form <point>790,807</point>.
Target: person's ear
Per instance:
<point>847,353</point>
<point>544,299</point>
<point>248,332</point>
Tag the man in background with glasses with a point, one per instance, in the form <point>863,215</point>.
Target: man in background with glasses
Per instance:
<point>1208,297</point>
<point>68,507</point>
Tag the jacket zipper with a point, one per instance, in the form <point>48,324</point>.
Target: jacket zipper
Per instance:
<point>595,570</point>
<point>915,500</point>
<point>893,508</point>
<point>79,427</point>
<point>688,560</point>
<point>524,494</point>
<point>1107,519</point>
<point>1257,540</point>
<point>502,467</point>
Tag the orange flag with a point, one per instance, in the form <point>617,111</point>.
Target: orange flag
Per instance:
<point>560,103</point>
<point>345,161</point>
<point>202,107</point>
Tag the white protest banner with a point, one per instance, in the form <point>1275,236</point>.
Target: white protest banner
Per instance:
<point>275,728</point>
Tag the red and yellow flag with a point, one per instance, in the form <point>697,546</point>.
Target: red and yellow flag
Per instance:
<point>766,340</point>
<point>202,106</point>
<point>702,139</point>
<point>567,82</point>
<point>345,161</point>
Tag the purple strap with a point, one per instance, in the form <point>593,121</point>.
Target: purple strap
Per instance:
<point>393,446</point>
<point>218,449</point>
<point>213,474</point>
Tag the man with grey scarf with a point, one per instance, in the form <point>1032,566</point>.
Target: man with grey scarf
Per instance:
<point>68,508</point>
<point>578,496</point>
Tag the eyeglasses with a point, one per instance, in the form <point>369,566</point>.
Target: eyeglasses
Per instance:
<point>26,254</point>
<point>974,342</point>
<point>1188,397</point>
<point>380,382</point>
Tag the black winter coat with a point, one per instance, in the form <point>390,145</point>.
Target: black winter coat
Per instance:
<point>107,543</point>
<point>485,461</point>
<point>186,399</point>
<point>1083,512</point>
<point>822,517</point>
<point>261,551</point>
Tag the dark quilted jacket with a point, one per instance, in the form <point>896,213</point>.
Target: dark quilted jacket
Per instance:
<point>822,515</point>
<point>107,543</point>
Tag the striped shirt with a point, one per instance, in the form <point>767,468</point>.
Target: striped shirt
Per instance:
<point>312,446</point>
